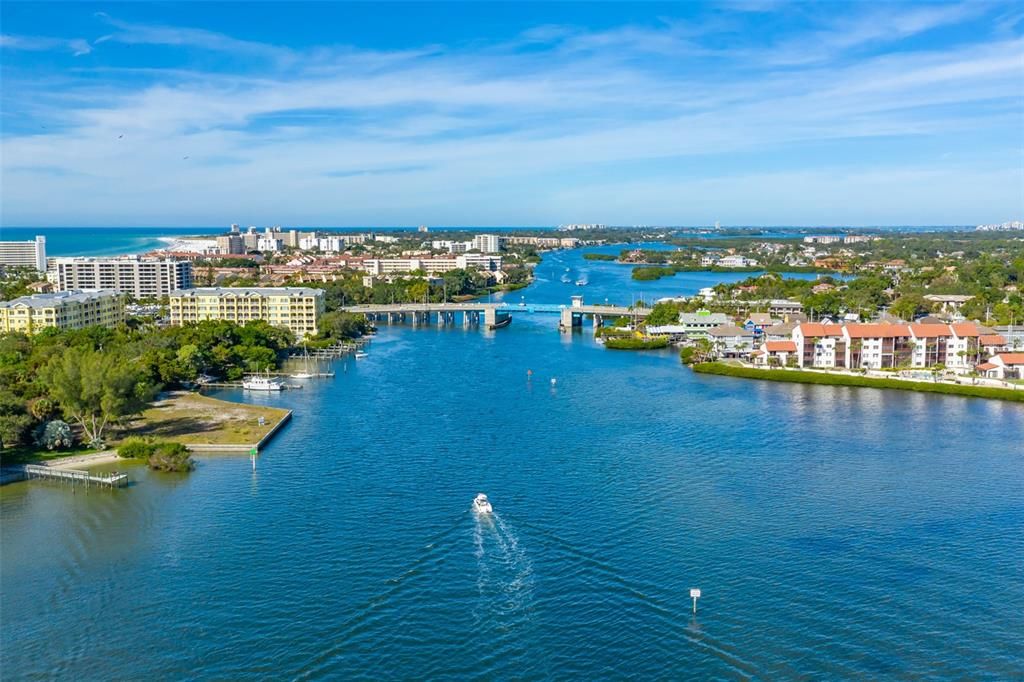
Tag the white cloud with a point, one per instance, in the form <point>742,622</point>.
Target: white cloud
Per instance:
<point>77,46</point>
<point>343,135</point>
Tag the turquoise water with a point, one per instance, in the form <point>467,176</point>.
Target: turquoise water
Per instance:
<point>100,241</point>
<point>113,241</point>
<point>835,532</point>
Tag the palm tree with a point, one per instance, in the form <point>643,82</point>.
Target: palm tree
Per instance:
<point>855,348</point>
<point>704,349</point>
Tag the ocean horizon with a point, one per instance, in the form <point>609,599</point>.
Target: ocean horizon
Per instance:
<point>117,241</point>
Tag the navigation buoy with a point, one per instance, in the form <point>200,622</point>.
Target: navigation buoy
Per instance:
<point>554,381</point>
<point>529,374</point>
<point>695,595</point>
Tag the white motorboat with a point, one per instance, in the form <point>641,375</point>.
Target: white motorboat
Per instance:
<point>262,383</point>
<point>361,354</point>
<point>481,505</point>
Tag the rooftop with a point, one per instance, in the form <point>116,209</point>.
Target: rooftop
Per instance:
<point>248,291</point>
<point>58,297</point>
<point>1010,358</point>
<point>780,346</point>
<point>131,258</point>
<point>729,330</point>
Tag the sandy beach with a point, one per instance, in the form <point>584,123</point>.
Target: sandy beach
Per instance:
<point>194,245</point>
<point>105,457</point>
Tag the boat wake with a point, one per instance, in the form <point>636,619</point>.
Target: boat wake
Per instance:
<point>504,574</point>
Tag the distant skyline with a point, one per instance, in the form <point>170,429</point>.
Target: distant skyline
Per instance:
<point>495,114</point>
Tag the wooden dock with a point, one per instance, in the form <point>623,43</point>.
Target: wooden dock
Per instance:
<point>331,352</point>
<point>238,384</point>
<point>76,476</point>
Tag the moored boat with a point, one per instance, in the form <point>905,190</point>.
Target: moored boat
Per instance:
<point>262,383</point>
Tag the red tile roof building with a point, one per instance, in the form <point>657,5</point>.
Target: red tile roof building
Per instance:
<point>888,345</point>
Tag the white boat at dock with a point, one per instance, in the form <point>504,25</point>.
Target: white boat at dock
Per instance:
<point>260,382</point>
<point>361,354</point>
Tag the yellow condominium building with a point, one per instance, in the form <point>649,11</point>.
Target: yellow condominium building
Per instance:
<point>63,309</point>
<point>295,308</point>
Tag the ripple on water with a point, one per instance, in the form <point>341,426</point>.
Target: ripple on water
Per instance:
<point>836,533</point>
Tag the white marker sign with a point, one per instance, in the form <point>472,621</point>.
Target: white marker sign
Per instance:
<point>695,595</point>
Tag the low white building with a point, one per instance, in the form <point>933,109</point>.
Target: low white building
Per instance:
<point>1004,366</point>
<point>736,262</point>
<point>731,341</point>
<point>467,261</point>
<point>776,353</point>
<point>701,321</point>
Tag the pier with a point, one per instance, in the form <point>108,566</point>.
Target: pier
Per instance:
<point>493,315</point>
<point>328,353</point>
<point>75,476</point>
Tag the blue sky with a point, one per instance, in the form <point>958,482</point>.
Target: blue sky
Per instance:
<point>748,113</point>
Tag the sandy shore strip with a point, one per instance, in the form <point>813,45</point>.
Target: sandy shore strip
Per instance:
<point>76,461</point>
<point>192,245</point>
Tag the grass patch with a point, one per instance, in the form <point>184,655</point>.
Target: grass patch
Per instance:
<point>196,419</point>
<point>802,377</point>
<point>25,454</point>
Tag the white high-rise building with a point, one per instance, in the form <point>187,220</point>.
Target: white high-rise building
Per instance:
<point>135,275</point>
<point>28,254</point>
<point>487,243</point>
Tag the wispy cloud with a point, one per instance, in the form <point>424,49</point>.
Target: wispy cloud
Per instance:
<point>144,34</point>
<point>543,124</point>
<point>391,170</point>
<point>77,46</point>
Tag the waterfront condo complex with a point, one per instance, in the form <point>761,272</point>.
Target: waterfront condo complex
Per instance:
<point>134,275</point>
<point>295,308</point>
<point>63,310</point>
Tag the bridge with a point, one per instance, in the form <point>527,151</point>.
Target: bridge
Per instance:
<point>494,315</point>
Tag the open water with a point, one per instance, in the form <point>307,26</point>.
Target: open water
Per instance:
<point>835,532</point>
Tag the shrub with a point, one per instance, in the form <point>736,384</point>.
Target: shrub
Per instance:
<point>136,448</point>
<point>171,457</point>
<point>617,343</point>
<point>14,428</point>
<point>41,407</point>
<point>688,354</point>
<point>612,331</point>
<point>54,434</point>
